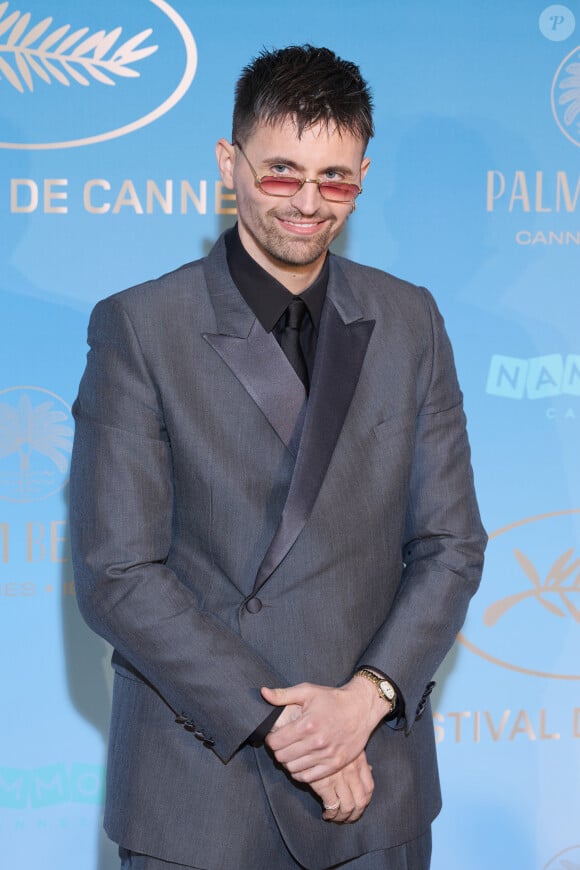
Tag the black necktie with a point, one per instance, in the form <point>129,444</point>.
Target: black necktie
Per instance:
<point>290,338</point>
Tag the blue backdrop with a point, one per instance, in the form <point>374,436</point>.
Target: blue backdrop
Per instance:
<point>109,114</point>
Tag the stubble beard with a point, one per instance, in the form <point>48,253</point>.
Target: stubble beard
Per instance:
<point>292,251</point>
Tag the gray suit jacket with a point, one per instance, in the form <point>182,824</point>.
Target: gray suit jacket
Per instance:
<point>227,536</point>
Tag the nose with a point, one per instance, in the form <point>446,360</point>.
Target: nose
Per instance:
<point>308,198</point>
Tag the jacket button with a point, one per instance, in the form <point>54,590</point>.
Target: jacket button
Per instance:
<point>253,605</point>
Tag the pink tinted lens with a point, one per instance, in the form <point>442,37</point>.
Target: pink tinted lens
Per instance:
<point>280,186</point>
<point>340,192</point>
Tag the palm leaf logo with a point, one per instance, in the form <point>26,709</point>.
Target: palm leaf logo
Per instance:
<point>571,96</point>
<point>552,593</point>
<point>26,429</point>
<point>56,54</point>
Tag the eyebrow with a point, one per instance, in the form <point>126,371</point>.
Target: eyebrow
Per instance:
<point>343,170</point>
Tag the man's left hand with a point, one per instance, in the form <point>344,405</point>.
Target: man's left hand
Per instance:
<point>332,729</point>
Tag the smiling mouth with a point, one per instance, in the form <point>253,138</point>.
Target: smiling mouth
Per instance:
<point>302,227</point>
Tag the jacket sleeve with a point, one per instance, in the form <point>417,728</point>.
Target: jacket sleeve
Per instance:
<point>121,497</point>
<point>444,540</point>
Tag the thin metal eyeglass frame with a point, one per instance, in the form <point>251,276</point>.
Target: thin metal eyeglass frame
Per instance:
<point>301,181</point>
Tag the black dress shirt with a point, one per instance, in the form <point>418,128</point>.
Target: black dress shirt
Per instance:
<point>269,299</point>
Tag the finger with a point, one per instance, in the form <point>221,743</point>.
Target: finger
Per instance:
<point>281,697</point>
<point>337,797</point>
<point>290,742</point>
<point>294,747</point>
<point>305,738</point>
<point>331,810</point>
<point>330,801</point>
<point>334,797</point>
<point>321,765</point>
<point>300,737</point>
<point>361,800</point>
<point>359,780</point>
<point>353,786</point>
<point>366,778</point>
<point>347,803</point>
<point>311,770</point>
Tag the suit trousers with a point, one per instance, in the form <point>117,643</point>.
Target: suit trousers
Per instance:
<point>415,855</point>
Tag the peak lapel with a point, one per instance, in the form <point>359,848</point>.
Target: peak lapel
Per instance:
<point>252,354</point>
<point>342,346</point>
<point>259,364</point>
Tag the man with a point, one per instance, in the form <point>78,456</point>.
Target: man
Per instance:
<point>273,516</point>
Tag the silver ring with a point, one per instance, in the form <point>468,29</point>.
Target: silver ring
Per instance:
<point>332,807</point>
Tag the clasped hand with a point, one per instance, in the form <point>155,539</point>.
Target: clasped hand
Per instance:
<point>320,739</point>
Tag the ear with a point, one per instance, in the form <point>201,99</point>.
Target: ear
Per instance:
<point>364,168</point>
<point>226,158</point>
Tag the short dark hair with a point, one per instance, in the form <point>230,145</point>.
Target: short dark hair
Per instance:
<point>308,84</point>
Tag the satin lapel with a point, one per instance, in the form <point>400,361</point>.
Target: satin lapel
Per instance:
<point>252,354</point>
<point>259,364</point>
<point>340,354</point>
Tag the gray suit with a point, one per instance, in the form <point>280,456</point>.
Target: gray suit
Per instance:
<point>227,536</point>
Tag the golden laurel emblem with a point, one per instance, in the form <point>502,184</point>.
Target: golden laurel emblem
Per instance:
<point>526,616</point>
<point>37,53</point>
<point>59,54</point>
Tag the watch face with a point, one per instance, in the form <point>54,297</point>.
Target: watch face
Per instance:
<point>387,690</point>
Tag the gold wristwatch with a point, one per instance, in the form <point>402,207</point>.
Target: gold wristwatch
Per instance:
<point>384,688</point>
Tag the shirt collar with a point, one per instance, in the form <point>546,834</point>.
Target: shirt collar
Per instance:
<point>266,296</point>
